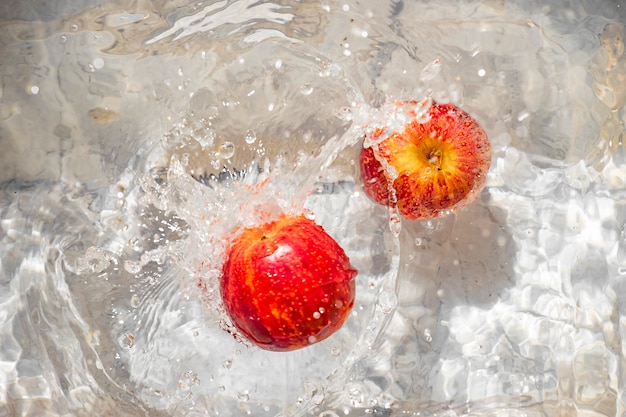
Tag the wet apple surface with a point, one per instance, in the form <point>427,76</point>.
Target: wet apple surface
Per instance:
<point>287,284</point>
<point>429,168</point>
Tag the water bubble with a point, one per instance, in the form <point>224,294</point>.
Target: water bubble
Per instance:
<point>345,114</point>
<point>250,137</point>
<point>387,301</point>
<point>187,380</point>
<point>127,340</point>
<point>243,395</point>
<point>135,301</point>
<point>427,336</point>
<point>227,150</point>
<point>96,260</point>
<point>306,89</point>
<point>120,203</point>
<point>98,63</point>
<point>135,244</point>
<point>63,38</point>
<point>356,396</point>
<point>228,363</point>
<point>204,137</point>
<point>74,27</point>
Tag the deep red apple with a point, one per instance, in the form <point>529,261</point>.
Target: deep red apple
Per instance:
<point>287,284</point>
<point>433,167</point>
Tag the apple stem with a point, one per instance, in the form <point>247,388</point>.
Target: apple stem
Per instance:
<point>434,157</point>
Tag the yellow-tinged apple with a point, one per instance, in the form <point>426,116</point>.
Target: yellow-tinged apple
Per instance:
<point>427,169</point>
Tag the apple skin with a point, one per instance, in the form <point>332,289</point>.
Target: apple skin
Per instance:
<point>441,164</point>
<point>287,284</point>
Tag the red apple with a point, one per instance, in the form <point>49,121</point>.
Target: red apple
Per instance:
<point>287,284</point>
<point>433,167</point>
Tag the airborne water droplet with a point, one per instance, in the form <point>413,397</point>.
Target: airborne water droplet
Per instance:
<point>250,137</point>
<point>227,150</point>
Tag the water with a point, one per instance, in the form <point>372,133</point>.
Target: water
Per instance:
<point>133,137</point>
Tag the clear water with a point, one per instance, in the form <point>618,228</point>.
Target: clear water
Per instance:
<point>135,136</point>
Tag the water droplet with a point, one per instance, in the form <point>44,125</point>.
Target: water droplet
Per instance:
<point>345,113</point>
<point>419,241</point>
<point>227,150</point>
<point>120,203</point>
<point>63,38</point>
<point>387,301</point>
<point>356,396</point>
<point>98,63</point>
<point>306,89</point>
<point>317,315</point>
<point>335,351</point>
<point>312,339</point>
<point>135,300</point>
<point>250,137</point>
<point>135,244</point>
<point>127,340</point>
<point>187,380</point>
<point>204,137</point>
<point>74,27</point>
<point>132,267</point>
<point>243,395</point>
<point>228,363</point>
<point>427,336</point>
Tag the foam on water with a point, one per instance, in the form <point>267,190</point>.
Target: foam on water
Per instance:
<point>134,144</point>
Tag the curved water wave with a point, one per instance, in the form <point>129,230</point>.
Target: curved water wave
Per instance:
<point>134,136</point>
